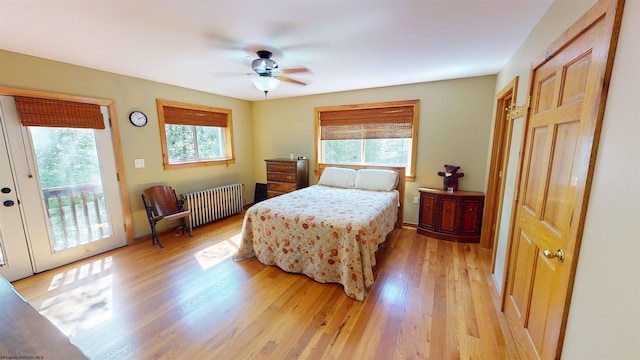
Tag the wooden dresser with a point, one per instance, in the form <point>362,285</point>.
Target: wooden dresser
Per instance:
<point>455,216</point>
<point>284,175</point>
<point>25,334</point>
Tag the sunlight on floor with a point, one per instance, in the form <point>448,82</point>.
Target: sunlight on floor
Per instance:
<point>216,253</point>
<point>76,274</point>
<point>394,292</point>
<point>83,306</point>
<point>81,297</point>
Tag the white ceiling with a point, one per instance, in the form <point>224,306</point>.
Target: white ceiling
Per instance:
<point>208,45</point>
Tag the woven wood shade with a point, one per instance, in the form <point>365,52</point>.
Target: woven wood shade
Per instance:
<point>58,113</point>
<point>185,116</point>
<point>375,123</point>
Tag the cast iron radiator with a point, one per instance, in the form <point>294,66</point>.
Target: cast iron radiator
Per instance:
<point>212,204</point>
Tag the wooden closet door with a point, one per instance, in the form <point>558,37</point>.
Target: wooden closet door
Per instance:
<point>568,90</point>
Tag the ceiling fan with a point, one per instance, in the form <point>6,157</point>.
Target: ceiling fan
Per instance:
<point>269,74</point>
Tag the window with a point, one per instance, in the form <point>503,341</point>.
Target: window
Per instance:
<point>369,134</point>
<point>194,135</point>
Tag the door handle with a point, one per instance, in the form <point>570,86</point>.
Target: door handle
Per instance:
<point>550,254</point>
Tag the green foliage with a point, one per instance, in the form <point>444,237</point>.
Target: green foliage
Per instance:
<point>209,140</point>
<point>180,144</point>
<point>191,143</point>
<point>65,156</point>
<point>392,152</point>
<point>388,152</point>
<point>342,151</point>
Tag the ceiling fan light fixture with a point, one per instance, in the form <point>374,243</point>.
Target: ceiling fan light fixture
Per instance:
<point>265,83</point>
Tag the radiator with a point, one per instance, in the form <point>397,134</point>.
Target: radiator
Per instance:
<point>212,204</point>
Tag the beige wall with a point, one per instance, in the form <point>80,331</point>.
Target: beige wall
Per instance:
<point>26,72</point>
<point>455,117</point>
<point>454,128</point>
<point>604,318</point>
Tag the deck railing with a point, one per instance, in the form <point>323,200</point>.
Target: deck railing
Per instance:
<point>77,214</point>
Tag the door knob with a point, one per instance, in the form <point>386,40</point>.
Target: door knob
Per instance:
<point>8,203</point>
<point>550,254</point>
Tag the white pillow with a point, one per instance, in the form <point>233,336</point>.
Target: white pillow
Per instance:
<point>376,179</point>
<point>338,177</point>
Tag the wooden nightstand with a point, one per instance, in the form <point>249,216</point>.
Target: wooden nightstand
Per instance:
<point>284,175</point>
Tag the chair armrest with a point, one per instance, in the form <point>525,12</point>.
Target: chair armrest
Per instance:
<point>178,215</point>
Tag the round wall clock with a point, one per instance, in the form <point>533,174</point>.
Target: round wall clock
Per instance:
<point>138,118</point>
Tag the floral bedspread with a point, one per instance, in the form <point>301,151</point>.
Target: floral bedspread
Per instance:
<point>329,234</point>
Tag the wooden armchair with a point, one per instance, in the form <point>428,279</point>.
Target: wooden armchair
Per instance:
<point>161,203</point>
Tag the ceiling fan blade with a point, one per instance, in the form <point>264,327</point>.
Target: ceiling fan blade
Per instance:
<point>219,74</point>
<point>284,78</point>
<point>295,70</point>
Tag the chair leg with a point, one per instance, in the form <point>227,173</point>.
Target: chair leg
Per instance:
<point>154,235</point>
<point>186,224</point>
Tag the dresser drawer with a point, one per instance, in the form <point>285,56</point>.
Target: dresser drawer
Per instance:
<point>285,187</point>
<point>271,193</point>
<point>282,177</point>
<point>281,167</point>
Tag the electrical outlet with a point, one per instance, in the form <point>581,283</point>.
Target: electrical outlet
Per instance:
<point>416,200</point>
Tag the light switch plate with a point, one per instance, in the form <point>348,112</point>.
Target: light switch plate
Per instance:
<point>138,163</point>
<point>416,200</point>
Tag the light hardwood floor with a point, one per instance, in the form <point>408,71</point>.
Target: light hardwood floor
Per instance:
<point>431,299</point>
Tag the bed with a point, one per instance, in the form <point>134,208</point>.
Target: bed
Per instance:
<point>329,232</point>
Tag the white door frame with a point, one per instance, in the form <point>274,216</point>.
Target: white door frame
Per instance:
<point>14,246</point>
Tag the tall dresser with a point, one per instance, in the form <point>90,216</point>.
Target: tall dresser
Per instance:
<point>284,175</point>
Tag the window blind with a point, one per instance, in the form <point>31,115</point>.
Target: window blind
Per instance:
<point>186,116</point>
<point>372,123</point>
<point>58,113</point>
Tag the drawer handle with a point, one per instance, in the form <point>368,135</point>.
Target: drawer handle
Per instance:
<point>428,206</point>
<point>289,177</point>
<point>471,211</point>
<point>448,209</point>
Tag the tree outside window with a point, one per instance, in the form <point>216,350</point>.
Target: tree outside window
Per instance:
<point>194,135</point>
<point>194,143</point>
<point>369,134</point>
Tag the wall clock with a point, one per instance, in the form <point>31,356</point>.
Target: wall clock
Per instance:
<point>138,118</point>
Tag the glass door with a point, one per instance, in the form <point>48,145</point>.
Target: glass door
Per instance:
<point>71,184</point>
<point>69,190</point>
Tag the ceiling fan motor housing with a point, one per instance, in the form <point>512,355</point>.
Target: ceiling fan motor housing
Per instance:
<point>263,66</point>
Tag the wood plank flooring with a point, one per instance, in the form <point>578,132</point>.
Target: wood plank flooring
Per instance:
<point>431,299</point>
